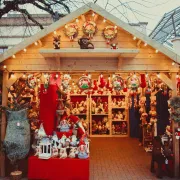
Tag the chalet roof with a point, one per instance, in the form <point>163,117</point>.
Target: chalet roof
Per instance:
<point>97,9</point>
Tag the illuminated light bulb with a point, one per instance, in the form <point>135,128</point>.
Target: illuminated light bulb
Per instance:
<point>38,79</point>
<point>14,56</point>
<point>109,78</point>
<point>134,38</point>
<point>173,63</point>
<point>177,75</point>
<point>156,51</point>
<point>12,75</point>
<point>57,75</point>
<point>101,75</point>
<point>89,75</point>
<point>73,83</point>
<point>104,20</point>
<point>93,14</point>
<point>24,75</point>
<point>145,44</point>
<point>134,75</point>
<point>25,50</point>
<point>158,75</point>
<point>36,43</point>
<point>77,20</point>
<point>55,32</point>
<point>113,76</point>
<point>147,75</point>
<point>115,27</point>
<point>4,66</point>
<point>66,26</point>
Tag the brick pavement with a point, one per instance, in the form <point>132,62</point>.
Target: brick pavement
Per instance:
<point>119,159</point>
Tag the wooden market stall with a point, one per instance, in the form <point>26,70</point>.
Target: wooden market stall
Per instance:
<point>135,52</point>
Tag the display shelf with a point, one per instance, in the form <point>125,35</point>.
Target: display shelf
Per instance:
<point>78,95</point>
<point>100,95</point>
<point>81,114</point>
<point>97,52</point>
<point>118,107</point>
<point>99,114</point>
<point>120,120</point>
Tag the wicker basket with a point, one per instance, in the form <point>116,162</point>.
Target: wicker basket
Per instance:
<point>16,175</point>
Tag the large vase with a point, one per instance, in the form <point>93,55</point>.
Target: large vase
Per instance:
<point>17,139</point>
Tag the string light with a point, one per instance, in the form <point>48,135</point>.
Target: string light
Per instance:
<point>57,75</point>
<point>36,43</point>
<point>134,38</point>
<point>77,20</point>
<point>12,75</point>
<point>55,32</point>
<point>104,20</point>
<point>66,26</point>
<point>89,75</point>
<point>38,79</point>
<point>158,75</point>
<point>109,77</point>
<point>145,44</point>
<point>147,75</point>
<point>93,14</point>
<point>24,75</point>
<point>25,50</point>
<point>73,83</point>
<point>156,51</point>
<point>173,63</point>
<point>115,27</point>
<point>134,75</point>
<point>4,66</point>
<point>14,56</point>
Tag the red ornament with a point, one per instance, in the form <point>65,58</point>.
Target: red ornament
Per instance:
<point>143,81</point>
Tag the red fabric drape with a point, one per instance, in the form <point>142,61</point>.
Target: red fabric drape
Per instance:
<point>48,108</point>
<point>58,169</point>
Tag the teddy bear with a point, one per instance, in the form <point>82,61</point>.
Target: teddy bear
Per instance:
<point>56,42</point>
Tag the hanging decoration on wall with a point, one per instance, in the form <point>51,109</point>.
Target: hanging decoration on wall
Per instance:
<point>85,43</point>
<point>56,41</point>
<point>71,30</point>
<point>109,33</point>
<point>101,81</point>
<point>65,82</point>
<point>31,81</point>
<point>133,83</point>
<point>84,83</point>
<point>46,82</point>
<point>89,28</point>
<point>117,82</point>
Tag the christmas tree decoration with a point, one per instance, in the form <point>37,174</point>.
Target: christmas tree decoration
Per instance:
<point>31,81</point>
<point>56,41</point>
<point>109,33</point>
<point>46,82</point>
<point>133,83</point>
<point>89,28</point>
<point>65,82</point>
<point>71,30</point>
<point>84,83</point>
<point>117,82</point>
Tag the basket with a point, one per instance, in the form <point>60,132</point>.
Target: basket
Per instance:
<point>16,175</point>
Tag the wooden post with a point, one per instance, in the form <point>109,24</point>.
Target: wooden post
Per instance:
<point>174,126</point>
<point>3,121</point>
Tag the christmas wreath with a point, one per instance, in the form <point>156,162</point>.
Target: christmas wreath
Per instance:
<point>84,83</point>
<point>89,28</point>
<point>133,82</point>
<point>109,33</point>
<point>117,82</point>
<point>71,30</point>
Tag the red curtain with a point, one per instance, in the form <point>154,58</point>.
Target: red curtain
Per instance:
<point>48,108</point>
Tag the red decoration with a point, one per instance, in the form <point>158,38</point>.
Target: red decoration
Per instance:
<point>143,81</point>
<point>102,81</point>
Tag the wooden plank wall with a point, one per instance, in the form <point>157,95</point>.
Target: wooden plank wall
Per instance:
<point>146,60</point>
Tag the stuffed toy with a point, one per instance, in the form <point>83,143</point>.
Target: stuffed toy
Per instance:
<point>85,43</point>
<point>56,42</point>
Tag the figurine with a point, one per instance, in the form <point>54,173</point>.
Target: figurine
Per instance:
<point>64,126</point>
<point>124,128</point>
<point>63,153</point>
<point>56,42</point>
<point>119,115</point>
<point>62,141</point>
<point>54,152</point>
<point>73,152</point>
<point>85,43</point>
<point>82,150</point>
<point>114,46</point>
<point>123,102</point>
<point>73,141</point>
<point>113,129</point>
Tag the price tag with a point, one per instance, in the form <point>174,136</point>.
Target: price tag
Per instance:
<point>166,161</point>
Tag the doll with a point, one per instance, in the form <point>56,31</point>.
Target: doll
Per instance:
<point>153,112</point>
<point>123,102</point>
<point>119,115</point>
<point>119,102</point>
<point>73,152</point>
<point>114,102</point>
<point>105,106</point>
<point>63,153</point>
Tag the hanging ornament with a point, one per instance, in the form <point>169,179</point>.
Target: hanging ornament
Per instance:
<point>143,81</point>
<point>31,81</point>
<point>117,82</point>
<point>89,28</point>
<point>46,81</point>
<point>84,83</point>
<point>101,81</point>
<point>109,33</point>
<point>65,82</point>
<point>133,83</point>
<point>71,30</point>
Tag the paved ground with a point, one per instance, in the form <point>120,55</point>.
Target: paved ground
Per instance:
<point>119,159</point>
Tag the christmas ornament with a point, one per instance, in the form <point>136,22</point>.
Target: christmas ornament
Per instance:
<point>117,82</point>
<point>31,81</point>
<point>71,30</point>
<point>65,81</point>
<point>56,41</point>
<point>46,82</point>
<point>89,28</point>
<point>85,43</point>
<point>102,81</point>
<point>84,83</point>
<point>133,83</point>
<point>143,81</point>
<point>109,33</point>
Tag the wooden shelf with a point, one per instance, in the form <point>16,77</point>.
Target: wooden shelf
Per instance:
<point>119,95</point>
<point>118,107</point>
<point>97,52</point>
<point>100,95</point>
<point>99,114</point>
<point>81,114</point>
<point>119,120</point>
